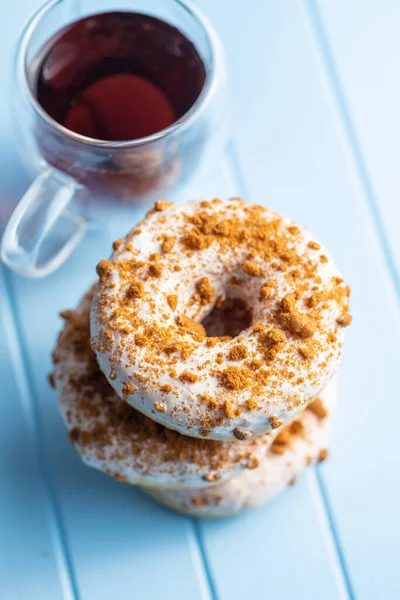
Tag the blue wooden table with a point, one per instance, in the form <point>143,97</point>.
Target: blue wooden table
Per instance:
<point>316,134</point>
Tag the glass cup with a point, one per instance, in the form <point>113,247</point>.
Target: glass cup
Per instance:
<point>75,173</point>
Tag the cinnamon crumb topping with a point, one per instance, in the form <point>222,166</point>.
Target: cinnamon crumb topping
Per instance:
<point>323,455</point>
<point>117,244</point>
<point>127,390</point>
<point>194,241</point>
<point>172,300</point>
<point>243,434</point>
<point>274,422</point>
<point>104,268</point>
<point>155,270</point>
<point>191,326</point>
<point>234,378</point>
<point>344,320</point>
<point>318,409</point>
<point>251,404</point>
<point>188,377</point>
<point>292,320</point>
<point>228,408</point>
<point>135,290</point>
<point>251,268</point>
<point>141,339</point>
<point>238,352</point>
<point>205,290</point>
<point>314,245</point>
<point>161,205</point>
<point>168,244</point>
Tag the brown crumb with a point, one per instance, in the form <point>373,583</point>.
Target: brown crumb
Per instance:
<point>194,241</point>
<point>228,409</point>
<point>267,290</point>
<point>50,379</point>
<point>67,315</point>
<point>172,300</point>
<point>104,268</point>
<point>141,339</point>
<point>277,448</point>
<point>314,245</point>
<point>135,290</point>
<point>161,205</point>
<point>274,422</point>
<point>127,390</point>
<point>198,501</point>
<point>274,337</point>
<point>166,388</point>
<point>212,402</point>
<point>251,404</point>
<point>212,477</point>
<point>251,268</point>
<point>238,352</point>
<point>168,244</point>
<point>253,463</point>
<point>296,427</point>
<point>292,320</point>
<point>305,352</point>
<point>117,244</point>
<point>234,378</point>
<point>73,435</point>
<point>188,377</point>
<point>344,320</point>
<point>318,409</point>
<point>205,290</point>
<point>323,455</point>
<point>191,326</point>
<point>155,270</point>
<point>242,434</point>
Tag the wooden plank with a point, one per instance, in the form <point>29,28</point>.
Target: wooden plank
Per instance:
<point>32,557</point>
<point>294,154</point>
<point>360,45</point>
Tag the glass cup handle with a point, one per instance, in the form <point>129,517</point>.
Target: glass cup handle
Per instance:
<point>41,209</point>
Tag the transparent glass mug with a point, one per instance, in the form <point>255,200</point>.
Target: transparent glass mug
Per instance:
<point>75,172</point>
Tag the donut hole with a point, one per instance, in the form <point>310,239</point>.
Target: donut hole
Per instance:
<point>229,317</point>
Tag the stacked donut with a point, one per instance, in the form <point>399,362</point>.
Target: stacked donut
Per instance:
<point>201,364</point>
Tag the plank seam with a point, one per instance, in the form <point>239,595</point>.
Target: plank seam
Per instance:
<point>26,387</point>
<point>205,563</point>
<point>344,113</point>
<point>322,495</point>
<point>334,533</point>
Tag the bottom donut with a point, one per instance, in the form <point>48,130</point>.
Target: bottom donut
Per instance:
<point>297,446</point>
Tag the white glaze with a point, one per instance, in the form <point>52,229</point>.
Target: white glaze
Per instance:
<point>183,409</point>
<point>251,489</point>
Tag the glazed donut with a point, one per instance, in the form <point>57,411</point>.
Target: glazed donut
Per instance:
<point>112,436</point>
<point>169,274</point>
<point>295,448</point>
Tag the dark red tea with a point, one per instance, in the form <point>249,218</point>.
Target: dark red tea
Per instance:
<point>118,76</point>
